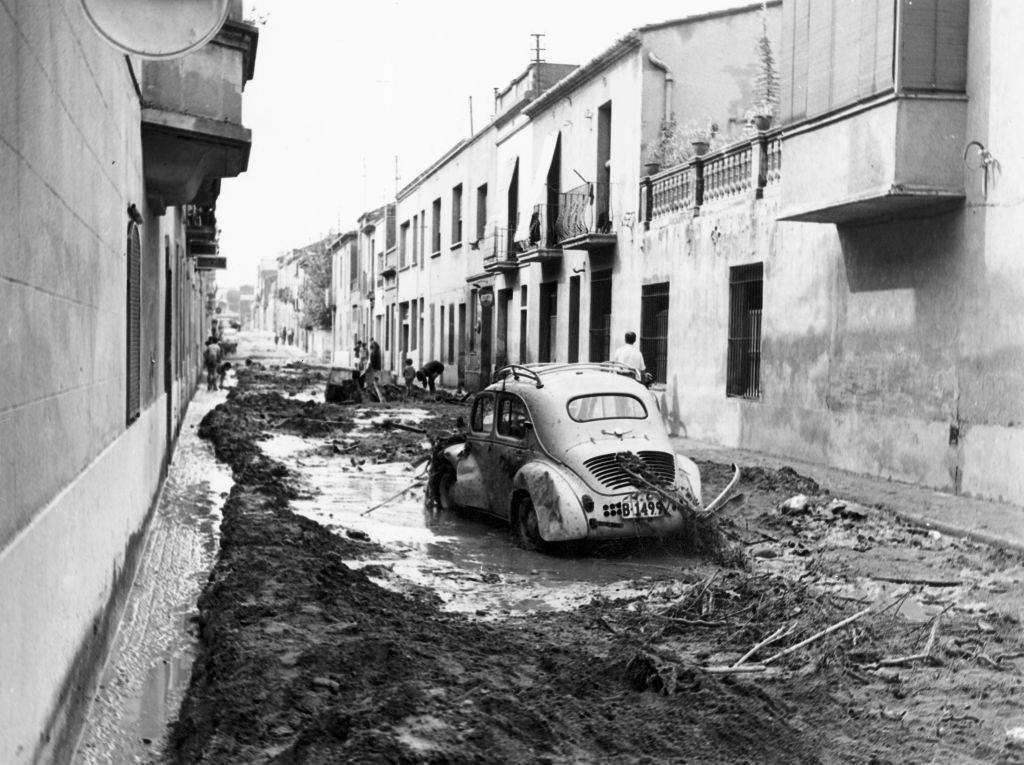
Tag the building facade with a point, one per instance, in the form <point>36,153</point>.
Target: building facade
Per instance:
<point>109,214</point>
<point>839,286</point>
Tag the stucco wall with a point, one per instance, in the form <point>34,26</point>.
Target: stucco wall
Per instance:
<point>76,482</point>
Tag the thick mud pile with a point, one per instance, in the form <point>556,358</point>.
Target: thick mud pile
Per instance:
<point>305,659</point>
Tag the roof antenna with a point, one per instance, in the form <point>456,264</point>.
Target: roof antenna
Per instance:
<point>537,60</point>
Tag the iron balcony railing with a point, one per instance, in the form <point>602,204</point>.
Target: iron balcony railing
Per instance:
<point>743,168</point>
<point>584,210</point>
<point>498,248</point>
<point>543,233</point>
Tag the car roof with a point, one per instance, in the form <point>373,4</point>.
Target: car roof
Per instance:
<point>542,381</point>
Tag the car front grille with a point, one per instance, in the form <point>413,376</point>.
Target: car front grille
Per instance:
<point>606,469</point>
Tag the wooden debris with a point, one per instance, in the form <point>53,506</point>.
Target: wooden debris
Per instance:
<point>780,633</point>
<point>414,485</point>
<point>817,636</point>
<point>734,669</point>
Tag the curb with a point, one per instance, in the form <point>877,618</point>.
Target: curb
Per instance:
<point>923,521</point>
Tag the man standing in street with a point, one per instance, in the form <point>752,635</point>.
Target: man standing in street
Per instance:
<point>211,360</point>
<point>375,367</point>
<point>430,372</point>
<point>629,355</point>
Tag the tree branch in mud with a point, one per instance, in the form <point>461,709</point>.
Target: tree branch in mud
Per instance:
<point>817,636</point>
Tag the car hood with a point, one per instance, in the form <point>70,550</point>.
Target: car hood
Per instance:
<point>593,461</point>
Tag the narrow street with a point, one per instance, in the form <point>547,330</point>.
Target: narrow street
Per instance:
<point>330,633</point>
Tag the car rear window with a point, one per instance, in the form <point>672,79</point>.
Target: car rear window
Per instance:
<point>606,406</point>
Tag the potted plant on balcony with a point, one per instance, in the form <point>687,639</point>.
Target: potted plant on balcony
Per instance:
<point>668,150</point>
<point>766,82</point>
<point>700,136</point>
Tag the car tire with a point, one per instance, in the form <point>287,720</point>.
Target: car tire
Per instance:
<point>443,480</point>
<point>527,528</point>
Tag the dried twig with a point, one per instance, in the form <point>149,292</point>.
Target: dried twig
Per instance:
<point>734,669</point>
<point>780,633</point>
<point>414,485</point>
<point>917,580</point>
<point>925,655</point>
<point>817,636</point>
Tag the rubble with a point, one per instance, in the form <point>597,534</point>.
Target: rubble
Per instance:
<point>841,642</point>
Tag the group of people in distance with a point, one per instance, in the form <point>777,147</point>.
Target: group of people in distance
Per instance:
<point>368,366</point>
<point>368,370</point>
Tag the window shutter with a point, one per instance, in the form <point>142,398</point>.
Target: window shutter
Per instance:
<point>134,323</point>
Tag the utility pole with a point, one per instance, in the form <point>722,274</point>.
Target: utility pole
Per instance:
<point>397,176</point>
<point>537,60</point>
<point>471,116</point>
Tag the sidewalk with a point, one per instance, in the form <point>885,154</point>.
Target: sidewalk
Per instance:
<point>991,522</point>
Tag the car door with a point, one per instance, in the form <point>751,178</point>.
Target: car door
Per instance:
<point>474,470</point>
<point>513,446</point>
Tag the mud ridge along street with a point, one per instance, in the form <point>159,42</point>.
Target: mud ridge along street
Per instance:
<point>421,637</point>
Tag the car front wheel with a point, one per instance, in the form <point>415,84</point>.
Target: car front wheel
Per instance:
<point>444,480</point>
<point>527,527</point>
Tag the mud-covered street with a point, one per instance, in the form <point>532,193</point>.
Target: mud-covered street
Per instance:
<point>329,634</point>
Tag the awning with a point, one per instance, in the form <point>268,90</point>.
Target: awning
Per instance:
<point>536,191</point>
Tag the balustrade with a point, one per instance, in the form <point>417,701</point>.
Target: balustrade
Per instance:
<point>736,170</point>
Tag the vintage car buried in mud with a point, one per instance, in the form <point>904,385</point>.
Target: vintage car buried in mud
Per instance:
<point>570,452</point>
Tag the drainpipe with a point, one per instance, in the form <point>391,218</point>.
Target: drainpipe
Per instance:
<point>669,81</point>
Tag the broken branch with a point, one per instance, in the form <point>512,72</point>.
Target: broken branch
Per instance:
<point>817,636</point>
<point>415,485</point>
<point>734,669</point>
<point>780,633</point>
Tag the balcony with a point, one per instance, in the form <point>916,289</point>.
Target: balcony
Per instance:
<point>499,251</point>
<point>584,221</point>
<point>877,130</point>
<point>192,132</point>
<point>743,170</point>
<point>895,157</point>
<point>389,267</point>
<point>542,245</point>
<point>200,230</point>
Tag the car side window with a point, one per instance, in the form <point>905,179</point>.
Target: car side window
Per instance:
<point>483,414</point>
<point>512,417</point>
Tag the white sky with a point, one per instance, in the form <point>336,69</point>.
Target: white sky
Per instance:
<point>341,88</point>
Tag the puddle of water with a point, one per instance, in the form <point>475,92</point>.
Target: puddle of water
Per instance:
<point>150,661</point>
<point>470,563</point>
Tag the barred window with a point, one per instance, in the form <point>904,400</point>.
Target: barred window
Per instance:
<point>743,375</point>
<point>654,329</point>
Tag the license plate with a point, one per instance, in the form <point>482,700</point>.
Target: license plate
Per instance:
<point>643,506</point>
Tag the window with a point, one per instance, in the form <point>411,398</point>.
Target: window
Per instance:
<point>433,330</point>
<point>471,340</point>
<point>601,315</point>
<point>415,238</point>
<point>654,329</point>
<point>481,212</point>
<point>523,347</point>
<point>435,227</point>
<point>456,215</point>
<point>353,266</point>
<point>606,406</point>
<point>422,236</point>
<point>483,414</point>
<point>133,303</point>
<point>548,321</point>
<point>403,241</point>
<point>451,333</point>
<point>574,320</point>
<point>743,373</point>
<point>513,417</point>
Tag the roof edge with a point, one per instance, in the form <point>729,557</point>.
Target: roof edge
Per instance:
<point>595,66</point>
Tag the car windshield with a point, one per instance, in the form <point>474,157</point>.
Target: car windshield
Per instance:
<point>606,406</point>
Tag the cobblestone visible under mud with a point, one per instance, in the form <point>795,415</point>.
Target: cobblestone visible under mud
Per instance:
<point>305,659</point>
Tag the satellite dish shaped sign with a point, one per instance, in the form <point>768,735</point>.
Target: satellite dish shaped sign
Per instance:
<point>156,29</point>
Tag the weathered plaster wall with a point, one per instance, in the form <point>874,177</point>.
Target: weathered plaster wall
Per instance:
<point>76,483</point>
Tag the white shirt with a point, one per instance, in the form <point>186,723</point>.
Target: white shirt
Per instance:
<point>630,356</point>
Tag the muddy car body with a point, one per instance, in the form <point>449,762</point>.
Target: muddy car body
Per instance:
<point>542,452</point>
